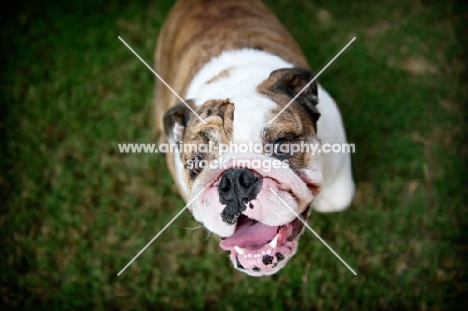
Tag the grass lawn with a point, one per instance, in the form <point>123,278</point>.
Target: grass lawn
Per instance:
<point>74,211</point>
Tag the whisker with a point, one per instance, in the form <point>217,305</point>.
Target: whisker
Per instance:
<point>187,228</point>
<point>209,233</point>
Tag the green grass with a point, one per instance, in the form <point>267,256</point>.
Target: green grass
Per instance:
<point>74,211</point>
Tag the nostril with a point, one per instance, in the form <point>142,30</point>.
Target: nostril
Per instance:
<point>248,179</point>
<point>224,185</point>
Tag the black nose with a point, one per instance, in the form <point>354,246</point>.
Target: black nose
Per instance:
<point>237,187</point>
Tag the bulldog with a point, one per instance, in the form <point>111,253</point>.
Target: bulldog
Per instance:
<point>237,68</point>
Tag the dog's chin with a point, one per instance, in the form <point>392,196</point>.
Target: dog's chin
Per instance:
<point>258,249</point>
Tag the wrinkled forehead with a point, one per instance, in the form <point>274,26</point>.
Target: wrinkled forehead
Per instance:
<point>251,116</point>
<point>218,127</point>
<point>245,119</point>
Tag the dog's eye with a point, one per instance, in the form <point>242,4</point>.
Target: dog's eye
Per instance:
<point>195,166</point>
<point>282,148</point>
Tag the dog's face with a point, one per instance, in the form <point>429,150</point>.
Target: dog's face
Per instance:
<point>237,200</point>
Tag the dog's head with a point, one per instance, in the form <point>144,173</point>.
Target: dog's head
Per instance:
<point>240,187</point>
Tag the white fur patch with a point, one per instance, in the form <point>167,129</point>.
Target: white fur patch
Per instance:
<point>247,69</point>
<point>180,172</point>
<point>338,185</point>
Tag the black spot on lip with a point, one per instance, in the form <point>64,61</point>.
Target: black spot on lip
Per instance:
<point>279,256</point>
<point>267,259</point>
<point>256,269</point>
<point>274,265</point>
<point>250,205</point>
<point>239,265</point>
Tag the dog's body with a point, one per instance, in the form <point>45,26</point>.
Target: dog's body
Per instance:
<point>238,67</point>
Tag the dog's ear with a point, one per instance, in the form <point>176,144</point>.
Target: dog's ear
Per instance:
<point>291,81</point>
<point>176,119</point>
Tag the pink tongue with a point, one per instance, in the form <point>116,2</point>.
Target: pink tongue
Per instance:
<point>249,233</point>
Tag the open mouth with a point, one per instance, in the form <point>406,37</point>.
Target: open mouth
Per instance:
<point>259,249</point>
